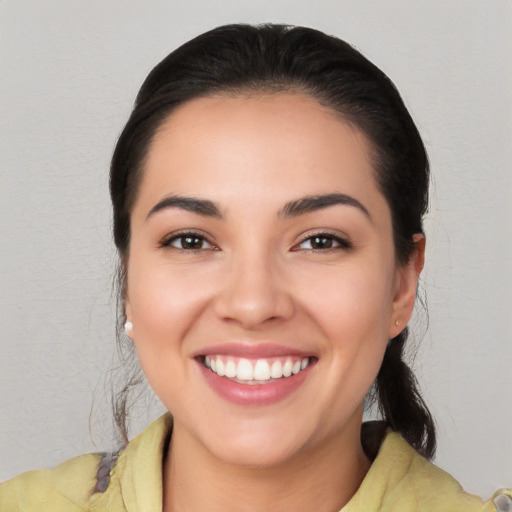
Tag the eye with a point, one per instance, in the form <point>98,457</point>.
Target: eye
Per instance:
<point>187,242</point>
<point>323,242</point>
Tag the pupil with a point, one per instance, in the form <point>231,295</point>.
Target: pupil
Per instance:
<point>320,242</point>
<point>191,242</point>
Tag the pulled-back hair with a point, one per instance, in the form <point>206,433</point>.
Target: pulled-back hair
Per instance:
<point>245,59</point>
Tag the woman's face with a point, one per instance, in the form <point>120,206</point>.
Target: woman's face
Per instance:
<point>261,246</point>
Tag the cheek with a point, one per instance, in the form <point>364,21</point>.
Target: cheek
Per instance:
<point>352,307</point>
<point>350,300</point>
<point>166,303</point>
<point>161,307</point>
<point>163,297</point>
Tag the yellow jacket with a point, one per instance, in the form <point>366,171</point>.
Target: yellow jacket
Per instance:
<point>399,480</point>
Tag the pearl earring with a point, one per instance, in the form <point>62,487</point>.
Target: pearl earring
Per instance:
<point>128,326</point>
<point>397,322</point>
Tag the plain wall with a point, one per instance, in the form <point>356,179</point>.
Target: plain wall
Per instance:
<point>69,74</point>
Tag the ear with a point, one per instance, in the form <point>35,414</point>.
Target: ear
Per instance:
<point>127,308</point>
<point>128,326</point>
<point>406,284</point>
<point>122,281</point>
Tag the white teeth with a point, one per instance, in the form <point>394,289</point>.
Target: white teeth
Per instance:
<point>276,370</point>
<point>262,370</point>
<point>244,370</point>
<point>220,367</point>
<point>230,369</point>
<point>287,368</point>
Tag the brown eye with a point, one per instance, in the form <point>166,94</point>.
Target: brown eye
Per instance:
<point>323,242</point>
<point>191,242</point>
<point>188,242</point>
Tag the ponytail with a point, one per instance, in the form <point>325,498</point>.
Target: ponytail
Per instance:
<point>400,402</point>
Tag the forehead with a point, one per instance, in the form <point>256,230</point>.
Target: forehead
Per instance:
<point>280,118</point>
<point>260,147</point>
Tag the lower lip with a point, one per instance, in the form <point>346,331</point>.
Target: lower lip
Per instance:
<point>254,394</point>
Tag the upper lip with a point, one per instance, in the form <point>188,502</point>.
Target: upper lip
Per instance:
<point>251,350</point>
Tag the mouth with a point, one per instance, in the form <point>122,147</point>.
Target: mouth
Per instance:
<point>252,380</point>
<point>255,371</point>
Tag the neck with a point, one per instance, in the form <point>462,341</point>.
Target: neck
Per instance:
<point>323,479</point>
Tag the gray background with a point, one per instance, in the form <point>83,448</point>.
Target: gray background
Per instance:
<point>69,73</point>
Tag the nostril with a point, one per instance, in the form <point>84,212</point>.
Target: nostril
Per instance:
<point>251,305</point>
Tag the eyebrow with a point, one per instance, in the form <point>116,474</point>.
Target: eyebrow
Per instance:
<point>301,206</point>
<point>309,204</point>
<point>202,207</point>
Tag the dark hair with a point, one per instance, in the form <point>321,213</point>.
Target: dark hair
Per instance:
<point>244,59</point>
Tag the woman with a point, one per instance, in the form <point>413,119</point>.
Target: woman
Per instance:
<point>268,193</point>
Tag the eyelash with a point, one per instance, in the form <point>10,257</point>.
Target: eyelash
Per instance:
<point>168,241</point>
<point>342,244</point>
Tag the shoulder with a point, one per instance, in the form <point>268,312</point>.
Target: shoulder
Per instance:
<point>96,481</point>
<point>67,487</point>
<point>402,480</point>
<point>430,488</point>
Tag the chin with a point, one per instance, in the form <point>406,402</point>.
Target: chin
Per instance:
<point>256,446</point>
<point>260,455</point>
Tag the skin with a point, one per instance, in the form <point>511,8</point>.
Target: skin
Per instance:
<point>256,279</point>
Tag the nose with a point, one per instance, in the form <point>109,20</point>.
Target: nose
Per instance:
<point>254,292</point>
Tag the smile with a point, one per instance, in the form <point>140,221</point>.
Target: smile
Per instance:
<point>255,371</point>
<point>255,376</point>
